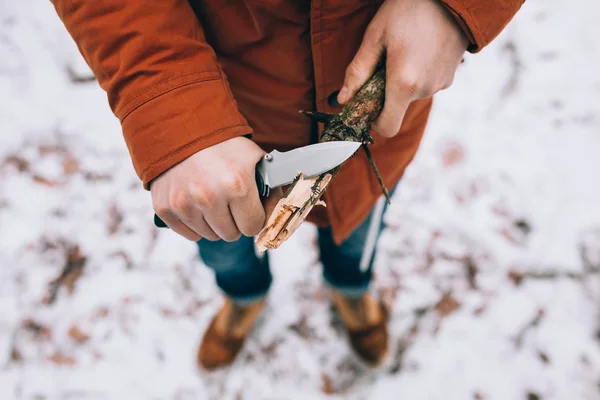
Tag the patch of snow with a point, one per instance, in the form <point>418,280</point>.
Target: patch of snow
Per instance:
<point>498,215</point>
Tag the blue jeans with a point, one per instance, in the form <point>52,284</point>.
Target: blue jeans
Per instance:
<point>246,277</point>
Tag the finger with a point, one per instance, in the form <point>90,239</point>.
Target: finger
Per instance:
<point>197,223</point>
<point>270,202</point>
<point>221,222</point>
<point>400,91</point>
<point>179,227</point>
<point>163,207</point>
<point>362,66</point>
<point>248,213</point>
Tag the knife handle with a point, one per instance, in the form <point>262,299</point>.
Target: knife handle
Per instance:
<point>263,191</point>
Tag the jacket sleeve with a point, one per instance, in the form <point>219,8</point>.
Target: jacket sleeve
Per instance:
<point>482,20</point>
<point>162,79</point>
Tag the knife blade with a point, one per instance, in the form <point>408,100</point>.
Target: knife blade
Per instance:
<point>277,169</point>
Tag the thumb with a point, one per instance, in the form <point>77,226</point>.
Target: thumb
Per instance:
<point>361,68</point>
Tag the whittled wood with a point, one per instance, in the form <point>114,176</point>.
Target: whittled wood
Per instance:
<point>351,124</point>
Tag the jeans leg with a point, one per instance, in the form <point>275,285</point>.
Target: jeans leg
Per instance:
<point>348,267</point>
<point>239,272</point>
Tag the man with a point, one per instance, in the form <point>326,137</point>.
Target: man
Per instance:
<point>203,88</point>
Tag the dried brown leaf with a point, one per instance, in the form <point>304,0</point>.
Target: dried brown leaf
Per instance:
<point>47,244</point>
<point>388,295</point>
<point>115,218</point>
<point>70,165</point>
<point>46,149</point>
<point>509,235</point>
<point>74,267</point>
<point>44,181</point>
<point>15,354</point>
<point>60,359</point>
<point>500,210</point>
<point>168,312</point>
<point>39,331</point>
<point>101,312</point>
<point>129,264</point>
<point>479,310</point>
<point>72,271</point>
<point>194,306</point>
<point>92,176</point>
<point>516,277</point>
<point>302,328</point>
<point>447,305</point>
<point>78,335</point>
<point>327,384</point>
<point>270,349</point>
<point>18,162</point>
<point>452,154</point>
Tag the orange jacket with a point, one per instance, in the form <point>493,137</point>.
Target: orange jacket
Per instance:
<point>184,75</point>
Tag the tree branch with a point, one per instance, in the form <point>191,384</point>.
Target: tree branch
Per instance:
<point>351,124</point>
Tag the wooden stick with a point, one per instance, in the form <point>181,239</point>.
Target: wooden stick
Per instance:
<point>351,124</point>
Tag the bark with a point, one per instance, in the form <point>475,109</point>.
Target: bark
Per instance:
<point>351,124</point>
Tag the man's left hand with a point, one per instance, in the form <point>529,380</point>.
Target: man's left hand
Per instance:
<point>423,46</point>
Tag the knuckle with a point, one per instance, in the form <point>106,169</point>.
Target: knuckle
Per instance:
<point>255,230</point>
<point>161,208</point>
<point>193,237</point>
<point>178,201</point>
<point>256,225</point>
<point>236,186</point>
<point>410,83</point>
<point>211,237</point>
<point>202,195</point>
<point>354,71</point>
<point>373,33</point>
<point>231,236</point>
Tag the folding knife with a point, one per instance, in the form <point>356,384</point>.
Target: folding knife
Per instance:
<point>277,169</point>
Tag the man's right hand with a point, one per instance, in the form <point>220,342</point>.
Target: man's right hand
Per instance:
<point>213,194</point>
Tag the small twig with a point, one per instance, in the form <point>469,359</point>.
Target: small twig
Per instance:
<point>350,124</point>
<point>551,274</point>
<point>533,323</point>
<point>379,178</point>
<point>407,339</point>
<point>77,78</point>
<point>317,116</point>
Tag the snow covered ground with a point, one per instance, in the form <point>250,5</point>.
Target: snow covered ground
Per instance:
<point>491,259</point>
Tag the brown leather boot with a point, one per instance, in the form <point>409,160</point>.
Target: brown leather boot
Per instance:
<point>226,334</point>
<point>365,320</point>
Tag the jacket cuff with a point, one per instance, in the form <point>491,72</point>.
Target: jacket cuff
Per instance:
<point>464,27</point>
<point>482,21</point>
<point>171,123</point>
